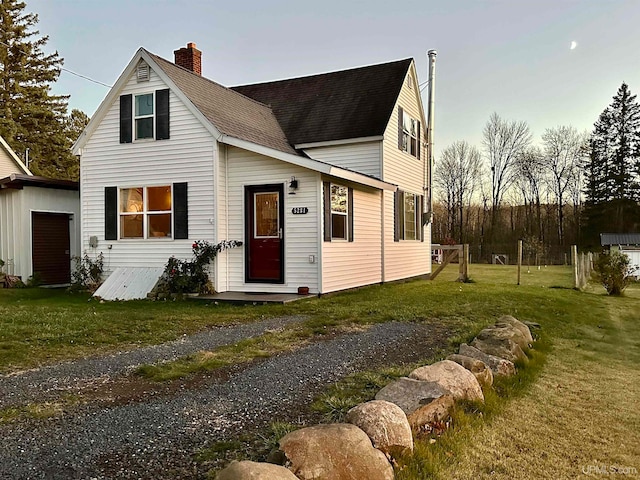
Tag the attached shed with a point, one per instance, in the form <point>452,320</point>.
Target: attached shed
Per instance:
<point>39,227</point>
<point>627,243</point>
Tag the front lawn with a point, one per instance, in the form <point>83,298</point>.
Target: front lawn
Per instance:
<point>42,326</point>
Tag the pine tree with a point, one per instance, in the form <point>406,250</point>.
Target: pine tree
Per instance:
<point>612,172</point>
<point>31,118</point>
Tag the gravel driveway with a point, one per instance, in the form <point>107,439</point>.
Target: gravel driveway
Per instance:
<point>156,438</point>
<point>46,383</point>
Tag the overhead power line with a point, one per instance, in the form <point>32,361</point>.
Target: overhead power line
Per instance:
<point>72,72</point>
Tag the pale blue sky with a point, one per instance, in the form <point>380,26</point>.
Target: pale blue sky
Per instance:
<point>509,56</point>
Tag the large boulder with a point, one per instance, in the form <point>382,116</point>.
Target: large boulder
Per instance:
<point>480,370</point>
<point>247,470</point>
<point>499,366</point>
<point>422,402</point>
<point>386,425</point>
<point>518,325</point>
<point>494,342</point>
<point>506,332</point>
<point>454,378</point>
<point>339,451</point>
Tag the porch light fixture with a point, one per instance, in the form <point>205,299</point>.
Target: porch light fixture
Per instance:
<point>293,185</point>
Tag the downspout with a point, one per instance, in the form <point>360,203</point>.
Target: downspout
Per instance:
<point>430,127</point>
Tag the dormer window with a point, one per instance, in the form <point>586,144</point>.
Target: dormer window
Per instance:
<point>144,116</point>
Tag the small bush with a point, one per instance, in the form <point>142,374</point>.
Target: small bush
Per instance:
<point>613,271</point>
<point>186,276</point>
<point>88,273</point>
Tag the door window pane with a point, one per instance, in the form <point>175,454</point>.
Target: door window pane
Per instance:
<point>266,214</point>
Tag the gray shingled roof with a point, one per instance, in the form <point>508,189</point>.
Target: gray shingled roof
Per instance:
<point>352,103</point>
<point>619,239</point>
<point>231,113</point>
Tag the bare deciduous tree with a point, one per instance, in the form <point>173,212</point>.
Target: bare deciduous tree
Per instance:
<point>504,141</point>
<point>530,179</point>
<point>457,176</point>
<point>564,149</point>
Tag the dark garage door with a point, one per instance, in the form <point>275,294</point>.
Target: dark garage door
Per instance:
<point>50,247</point>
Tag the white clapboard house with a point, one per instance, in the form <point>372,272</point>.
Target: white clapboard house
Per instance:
<point>324,178</point>
<point>39,222</point>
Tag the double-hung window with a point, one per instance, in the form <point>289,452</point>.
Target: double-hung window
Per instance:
<point>142,212</point>
<point>145,212</point>
<point>408,210</point>
<point>144,116</point>
<point>338,212</point>
<point>408,133</point>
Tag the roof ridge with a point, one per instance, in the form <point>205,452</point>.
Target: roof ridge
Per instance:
<point>332,72</point>
<point>153,55</point>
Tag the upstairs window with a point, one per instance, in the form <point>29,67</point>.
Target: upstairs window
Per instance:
<point>144,116</point>
<point>408,133</point>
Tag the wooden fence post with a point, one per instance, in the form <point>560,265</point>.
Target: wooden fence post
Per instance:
<point>574,262</point>
<point>519,259</point>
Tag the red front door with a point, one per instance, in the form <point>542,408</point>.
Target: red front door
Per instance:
<point>264,231</point>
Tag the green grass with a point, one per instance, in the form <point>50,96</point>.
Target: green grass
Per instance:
<point>42,326</point>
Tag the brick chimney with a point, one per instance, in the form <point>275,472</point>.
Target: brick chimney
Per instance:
<point>189,58</point>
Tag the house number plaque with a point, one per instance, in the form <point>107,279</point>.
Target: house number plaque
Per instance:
<point>300,210</point>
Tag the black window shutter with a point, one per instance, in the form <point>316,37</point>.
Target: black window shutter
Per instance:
<point>396,211</point>
<point>180,211</point>
<point>400,130</point>
<point>419,222</point>
<point>327,211</point>
<point>419,141</point>
<point>401,213</point>
<point>350,209</point>
<point>110,213</point>
<point>126,113</point>
<point>162,114</point>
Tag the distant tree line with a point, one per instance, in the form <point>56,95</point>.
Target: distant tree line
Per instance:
<point>34,122</point>
<point>566,189</point>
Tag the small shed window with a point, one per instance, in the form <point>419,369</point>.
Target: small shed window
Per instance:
<point>339,212</point>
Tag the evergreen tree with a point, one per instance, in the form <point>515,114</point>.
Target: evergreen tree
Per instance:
<point>31,118</point>
<point>612,172</point>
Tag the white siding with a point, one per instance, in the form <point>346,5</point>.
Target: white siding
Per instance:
<point>360,157</point>
<point>353,264</point>
<point>222,260</point>
<point>404,258</point>
<point>7,164</point>
<point>12,235</point>
<point>301,234</point>
<point>188,156</point>
<point>15,224</point>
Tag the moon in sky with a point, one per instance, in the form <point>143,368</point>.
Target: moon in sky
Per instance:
<point>573,46</point>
